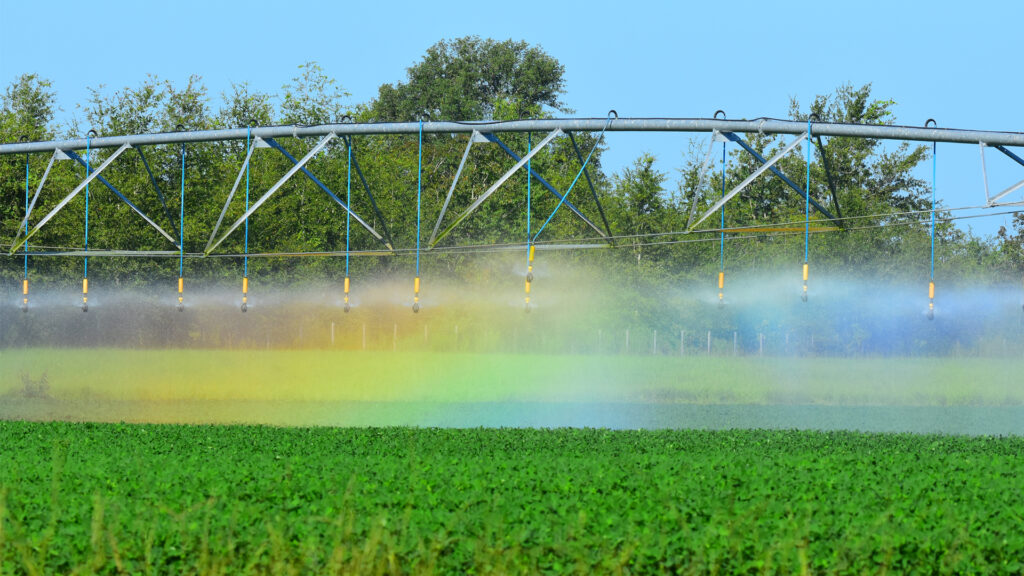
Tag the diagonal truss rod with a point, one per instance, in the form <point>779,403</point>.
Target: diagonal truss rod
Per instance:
<point>71,154</point>
<point>547,185</point>
<point>28,211</point>
<point>702,177</point>
<point>266,196</point>
<point>231,196</point>
<point>273,144</point>
<point>451,190</point>
<point>804,193</point>
<point>366,188</point>
<point>504,177</point>
<point>159,192</point>
<point>993,200</point>
<point>746,182</point>
<point>590,184</point>
<point>71,195</point>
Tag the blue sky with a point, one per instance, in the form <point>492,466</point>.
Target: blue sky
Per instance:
<point>956,62</point>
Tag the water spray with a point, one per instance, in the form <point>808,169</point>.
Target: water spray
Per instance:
<point>721,289</point>
<point>416,295</point>
<point>803,295</point>
<point>529,279</point>
<point>347,306</point>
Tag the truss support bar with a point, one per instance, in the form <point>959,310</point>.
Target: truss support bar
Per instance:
<point>1003,149</point>
<point>546,185</point>
<point>273,144</point>
<point>743,144</point>
<point>447,199</point>
<point>761,125</point>
<point>390,243</point>
<point>831,182</point>
<point>291,172</point>
<point>159,192</point>
<point>702,178</point>
<point>231,196</point>
<point>81,186</point>
<point>504,177</point>
<point>28,212</point>
<point>590,184</point>
<point>77,158</point>
<point>746,182</point>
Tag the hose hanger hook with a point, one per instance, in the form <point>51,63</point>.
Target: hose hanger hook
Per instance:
<point>717,112</point>
<point>932,121</point>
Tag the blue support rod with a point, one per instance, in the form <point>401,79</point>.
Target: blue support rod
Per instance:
<point>934,150</point>
<point>807,197</point>
<point>181,219</point>
<point>544,182</point>
<point>721,242</point>
<point>1003,149</point>
<point>88,170</point>
<point>568,190</point>
<point>348,200</point>
<point>159,192</point>
<point>743,144</point>
<point>26,216</point>
<point>529,170</point>
<point>248,149</point>
<point>419,193</point>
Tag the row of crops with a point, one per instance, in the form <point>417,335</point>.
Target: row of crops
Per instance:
<point>118,498</point>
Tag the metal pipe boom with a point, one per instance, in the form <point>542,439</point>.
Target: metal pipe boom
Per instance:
<point>755,126</point>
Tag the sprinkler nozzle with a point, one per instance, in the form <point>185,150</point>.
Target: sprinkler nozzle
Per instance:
<point>24,306</point>
<point>181,307</point>
<point>245,307</point>
<point>24,294</point>
<point>347,308</point>
<point>245,294</point>
<point>527,308</point>
<point>416,308</point>
<point>931,314</point>
<point>529,276</point>
<point>85,294</point>
<point>803,297</point>
<point>85,305</point>
<point>416,296</point>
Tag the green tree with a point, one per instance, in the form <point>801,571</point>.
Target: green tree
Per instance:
<point>472,79</point>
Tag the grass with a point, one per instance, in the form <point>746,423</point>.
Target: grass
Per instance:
<point>149,499</point>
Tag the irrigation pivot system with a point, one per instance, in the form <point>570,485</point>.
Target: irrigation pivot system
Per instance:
<point>805,135</point>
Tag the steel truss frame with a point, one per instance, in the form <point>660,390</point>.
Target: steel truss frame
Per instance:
<point>487,133</point>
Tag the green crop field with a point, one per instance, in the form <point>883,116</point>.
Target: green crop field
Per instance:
<point>151,499</point>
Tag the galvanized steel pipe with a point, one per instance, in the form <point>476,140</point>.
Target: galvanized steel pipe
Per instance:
<point>758,125</point>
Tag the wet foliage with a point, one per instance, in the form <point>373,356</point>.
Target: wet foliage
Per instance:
<point>122,498</point>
